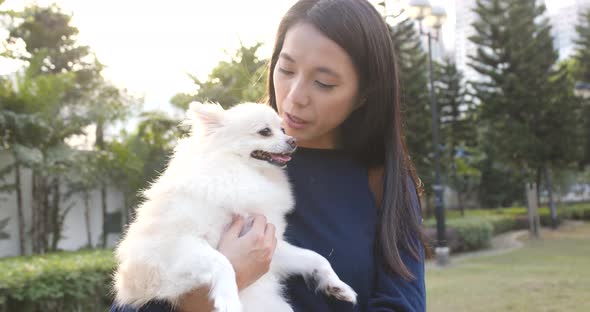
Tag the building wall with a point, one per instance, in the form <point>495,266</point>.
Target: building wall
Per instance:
<point>563,16</point>
<point>74,231</point>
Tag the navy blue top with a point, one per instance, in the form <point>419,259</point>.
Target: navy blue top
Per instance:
<point>335,215</point>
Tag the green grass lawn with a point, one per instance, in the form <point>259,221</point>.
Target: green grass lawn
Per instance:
<point>552,274</point>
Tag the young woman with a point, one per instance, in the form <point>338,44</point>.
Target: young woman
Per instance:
<point>334,81</point>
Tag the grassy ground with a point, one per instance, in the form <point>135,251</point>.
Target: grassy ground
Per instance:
<point>551,274</point>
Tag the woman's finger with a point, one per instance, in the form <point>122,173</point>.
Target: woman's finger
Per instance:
<point>235,228</point>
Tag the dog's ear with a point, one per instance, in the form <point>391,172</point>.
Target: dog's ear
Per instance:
<point>209,115</point>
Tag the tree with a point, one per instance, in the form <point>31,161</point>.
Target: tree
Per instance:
<point>581,73</point>
<point>457,128</point>
<point>48,31</point>
<point>582,41</point>
<point>34,136</point>
<point>417,117</point>
<point>53,55</point>
<point>242,79</point>
<point>530,113</point>
<point>106,104</point>
<point>135,159</point>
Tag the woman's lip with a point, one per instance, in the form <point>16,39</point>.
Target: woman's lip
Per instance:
<point>294,122</point>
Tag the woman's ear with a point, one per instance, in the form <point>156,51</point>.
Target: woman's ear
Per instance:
<point>360,103</point>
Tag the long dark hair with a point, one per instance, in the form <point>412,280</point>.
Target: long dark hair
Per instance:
<point>372,133</point>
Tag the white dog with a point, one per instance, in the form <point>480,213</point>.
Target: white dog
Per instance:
<point>231,164</point>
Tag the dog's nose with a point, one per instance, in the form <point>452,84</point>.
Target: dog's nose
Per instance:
<point>292,142</point>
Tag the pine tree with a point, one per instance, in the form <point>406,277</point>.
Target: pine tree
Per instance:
<point>413,71</point>
<point>457,128</point>
<point>525,101</point>
<point>582,73</point>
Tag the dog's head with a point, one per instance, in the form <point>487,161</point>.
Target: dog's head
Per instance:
<point>249,130</point>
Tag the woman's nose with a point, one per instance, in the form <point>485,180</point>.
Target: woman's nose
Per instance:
<point>299,94</point>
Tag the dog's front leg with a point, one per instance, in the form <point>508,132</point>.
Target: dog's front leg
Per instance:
<point>289,260</point>
<point>199,264</point>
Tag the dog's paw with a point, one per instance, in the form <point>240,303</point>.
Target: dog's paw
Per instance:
<point>338,289</point>
<point>225,304</point>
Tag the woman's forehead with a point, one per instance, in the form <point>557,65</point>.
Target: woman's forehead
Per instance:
<point>305,45</point>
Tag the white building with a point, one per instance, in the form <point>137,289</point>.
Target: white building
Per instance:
<point>463,47</point>
<point>74,231</point>
<point>563,16</point>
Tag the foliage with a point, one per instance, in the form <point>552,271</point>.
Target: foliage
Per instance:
<point>72,281</point>
<point>242,79</point>
<point>527,105</point>
<point>581,71</point>
<point>413,72</point>
<point>47,31</point>
<point>460,155</point>
<point>475,230</point>
<point>583,46</point>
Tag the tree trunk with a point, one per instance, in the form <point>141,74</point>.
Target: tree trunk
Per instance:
<point>538,181</point>
<point>35,214</point>
<point>19,208</point>
<point>461,203</point>
<point>428,207</point>
<point>39,213</point>
<point>550,191</point>
<point>56,225</point>
<point>458,186</point>
<point>87,218</point>
<point>124,212</point>
<point>103,188</point>
<point>103,202</point>
<point>46,207</point>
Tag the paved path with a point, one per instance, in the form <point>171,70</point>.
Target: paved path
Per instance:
<point>500,244</point>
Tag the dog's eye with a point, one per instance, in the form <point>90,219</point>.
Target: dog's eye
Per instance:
<point>283,130</point>
<point>265,132</point>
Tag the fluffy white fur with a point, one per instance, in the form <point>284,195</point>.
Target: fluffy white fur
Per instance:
<point>170,248</point>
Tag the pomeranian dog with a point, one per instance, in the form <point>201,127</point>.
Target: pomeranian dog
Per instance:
<point>231,164</point>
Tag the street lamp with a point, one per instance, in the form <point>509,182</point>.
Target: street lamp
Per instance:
<point>434,17</point>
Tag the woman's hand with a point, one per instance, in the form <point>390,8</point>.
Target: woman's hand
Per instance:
<point>250,254</point>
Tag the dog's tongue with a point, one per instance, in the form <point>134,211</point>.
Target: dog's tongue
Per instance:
<point>281,158</point>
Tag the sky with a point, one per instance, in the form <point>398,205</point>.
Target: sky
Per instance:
<point>149,47</point>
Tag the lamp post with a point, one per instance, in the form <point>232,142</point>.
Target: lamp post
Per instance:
<point>421,10</point>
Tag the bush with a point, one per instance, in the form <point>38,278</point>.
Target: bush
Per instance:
<point>576,212</point>
<point>464,234</point>
<point>471,231</point>
<point>65,281</point>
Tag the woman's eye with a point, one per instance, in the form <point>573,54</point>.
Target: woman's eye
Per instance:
<point>265,132</point>
<point>284,71</point>
<point>324,86</point>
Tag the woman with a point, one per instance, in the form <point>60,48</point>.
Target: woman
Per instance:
<point>333,79</point>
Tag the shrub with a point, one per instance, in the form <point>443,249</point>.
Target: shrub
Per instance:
<point>464,234</point>
<point>65,281</point>
<point>471,231</point>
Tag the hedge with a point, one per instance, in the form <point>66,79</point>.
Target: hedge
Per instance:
<point>64,282</point>
<point>476,229</point>
<point>81,281</point>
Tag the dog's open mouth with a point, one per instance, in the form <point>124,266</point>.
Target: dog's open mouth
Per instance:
<point>277,159</point>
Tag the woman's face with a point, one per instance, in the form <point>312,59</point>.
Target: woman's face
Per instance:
<point>316,87</point>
